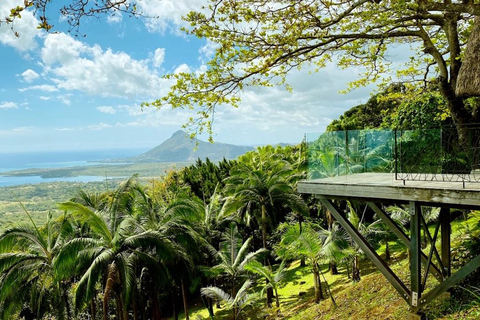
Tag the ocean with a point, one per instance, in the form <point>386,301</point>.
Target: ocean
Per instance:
<point>57,159</point>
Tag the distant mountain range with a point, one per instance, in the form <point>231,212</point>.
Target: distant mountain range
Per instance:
<point>180,148</point>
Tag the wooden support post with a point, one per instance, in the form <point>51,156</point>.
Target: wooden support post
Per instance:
<point>415,263</point>
<point>368,250</point>
<point>445,230</point>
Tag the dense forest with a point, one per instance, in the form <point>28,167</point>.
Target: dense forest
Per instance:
<point>223,235</point>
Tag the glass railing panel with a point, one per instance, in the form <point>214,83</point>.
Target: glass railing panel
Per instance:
<point>324,155</point>
<point>423,154</point>
<point>342,153</point>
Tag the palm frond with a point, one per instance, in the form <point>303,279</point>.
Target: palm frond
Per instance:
<point>217,294</point>
<point>95,221</point>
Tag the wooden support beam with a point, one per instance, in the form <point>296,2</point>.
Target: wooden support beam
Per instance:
<point>437,273</point>
<point>382,186</point>
<point>415,263</point>
<point>445,231</point>
<point>432,249</point>
<point>432,242</point>
<point>368,250</point>
<point>451,281</point>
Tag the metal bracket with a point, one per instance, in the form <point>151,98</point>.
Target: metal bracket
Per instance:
<point>414,299</point>
<point>412,210</point>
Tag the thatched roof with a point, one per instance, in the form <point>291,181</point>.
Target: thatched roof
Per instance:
<point>468,82</point>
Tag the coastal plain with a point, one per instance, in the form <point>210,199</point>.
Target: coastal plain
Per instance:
<point>40,198</point>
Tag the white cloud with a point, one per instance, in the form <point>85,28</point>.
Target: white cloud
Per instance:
<point>61,48</point>
<point>8,105</point>
<point>115,18</point>
<point>108,110</point>
<point>65,99</point>
<point>74,65</point>
<point>42,87</point>
<point>16,132</point>
<point>168,13</point>
<point>283,116</point>
<point>99,126</point>
<point>153,117</point>
<point>183,68</point>
<point>26,27</point>
<point>207,51</point>
<point>159,57</point>
<point>22,129</point>
<point>65,129</point>
<point>268,115</point>
<point>29,75</point>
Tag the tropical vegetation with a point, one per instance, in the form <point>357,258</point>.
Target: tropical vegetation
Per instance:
<point>232,238</point>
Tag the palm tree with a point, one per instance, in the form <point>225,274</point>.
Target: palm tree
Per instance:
<point>115,245</point>
<point>316,246</point>
<point>367,230</point>
<point>259,193</point>
<point>210,227</point>
<point>402,216</point>
<point>274,279</point>
<point>27,269</point>
<point>178,221</point>
<point>237,303</point>
<point>232,258</point>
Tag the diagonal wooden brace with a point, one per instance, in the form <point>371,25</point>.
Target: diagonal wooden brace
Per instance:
<point>451,281</point>
<point>404,238</point>
<point>368,250</point>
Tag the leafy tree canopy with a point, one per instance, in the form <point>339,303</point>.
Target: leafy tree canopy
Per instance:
<point>257,43</point>
<point>73,11</point>
<point>391,109</point>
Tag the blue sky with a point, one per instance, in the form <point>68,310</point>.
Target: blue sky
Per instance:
<point>59,92</point>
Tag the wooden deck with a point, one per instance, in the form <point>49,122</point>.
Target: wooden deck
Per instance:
<point>383,186</point>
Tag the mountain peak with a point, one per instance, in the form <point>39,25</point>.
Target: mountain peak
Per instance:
<point>181,148</point>
<point>179,133</point>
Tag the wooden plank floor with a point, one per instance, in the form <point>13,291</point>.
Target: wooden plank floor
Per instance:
<point>384,186</point>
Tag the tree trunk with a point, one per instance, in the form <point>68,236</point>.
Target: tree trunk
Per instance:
<point>208,303</point>
<point>387,251</point>
<point>448,72</point>
<point>356,269</point>
<point>468,81</point>
<point>277,299</point>
<point>264,226</point>
<point>317,284</point>
<point>119,311</point>
<point>67,305</point>
<point>109,286</point>
<point>264,242</point>
<point>328,289</point>
<point>332,265</point>
<point>300,229</point>
<point>93,307</point>
<point>460,115</point>
<point>347,265</point>
<point>175,313</point>
<point>135,309</point>
<point>185,302</point>
<point>156,309</point>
